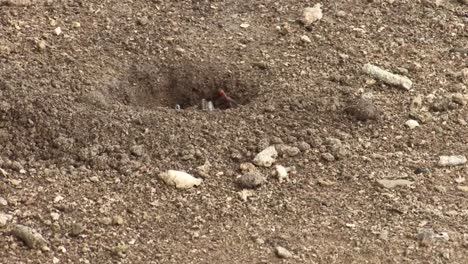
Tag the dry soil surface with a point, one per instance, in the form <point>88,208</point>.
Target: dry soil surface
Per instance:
<point>88,120</point>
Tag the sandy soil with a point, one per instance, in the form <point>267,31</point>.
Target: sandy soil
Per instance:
<point>88,122</point>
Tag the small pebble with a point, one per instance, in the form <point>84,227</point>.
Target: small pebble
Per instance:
<point>440,188</point>
<point>42,44</point>
<point>245,194</point>
<point>292,151</point>
<point>76,24</point>
<point>137,150</point>
<point>421,170</point>
<point>325,182</point>
<point>76,229</point>
<point>106,220</point>
<point>94,179</point>
<point>4,218</point>
<point>390,184</point>
<point>55,216</point>
<point>281,173</point>
<point>305,39</point>
<point>341,13</point>
<point>3,201</point>
<point>281,252</point>
<point>416,103</point>
<point>363,109</point>
<point>259,241</point>
<point>304,146</point>
<point>412,124</point>
<point>328,157</point>
<point>117,220</point>
<point>276,140</point>
<point>383,235</point>
<point>425,237</point>
<point>142,21</point>
<point>459,99</point>
<point>251,180</point>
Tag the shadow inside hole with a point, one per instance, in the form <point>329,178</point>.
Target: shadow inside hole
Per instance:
<point>186,85</point>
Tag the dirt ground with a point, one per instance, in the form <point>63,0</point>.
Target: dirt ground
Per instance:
<point>88,121</point>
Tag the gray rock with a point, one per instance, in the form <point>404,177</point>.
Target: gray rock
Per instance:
<point>383,235</point>
<point>30,237</point>
<point>292,151</point>
<point>137,150</point>
<point>443,104</point>
<point>440,188</point>
<point>259,241</point>
<point>15,165</point>
<point>106,220</point>
<point>416,103</point>
<point>281,252</point>
<point>363,109</point>
<point>425,236</point>
<point>328,157</point>
<point>118,220</point>
<point>142,21</point>
<point>251,180</point>
<point>304,146</point>
<point>333,142</point>
<point>76,229</point>
<point>276,140</point>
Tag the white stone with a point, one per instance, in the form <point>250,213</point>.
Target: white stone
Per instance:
<point>4,218</point>
<point>412,124</point>
<point>55,216</point>
<point>179,179</point>
<point>266,157</point>
<point>306,39</point>
<point>312,14</point>
<point>58,198</point>
<point>453,160</point>
<point>3,201</point>
<point>281,252</point>
<point>281,173</point>
<point>387,77</point>
<point>245,194</point>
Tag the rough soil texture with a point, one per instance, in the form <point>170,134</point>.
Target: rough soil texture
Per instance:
<point>88,121</point>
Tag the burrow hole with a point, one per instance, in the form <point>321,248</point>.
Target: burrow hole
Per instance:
<point>186,85</point>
